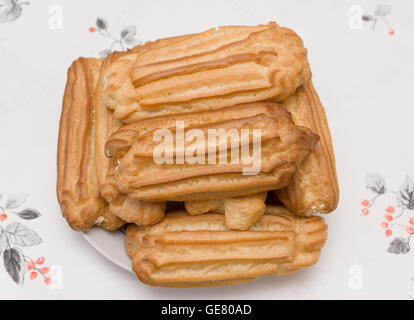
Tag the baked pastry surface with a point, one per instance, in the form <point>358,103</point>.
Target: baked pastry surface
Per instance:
<point>314,187</point>
<point>283,148</point>
<point>86,187</point>
<point>200,251</point>
<point>77,184</point>
<point>232,78</point>
<point>210,70</point>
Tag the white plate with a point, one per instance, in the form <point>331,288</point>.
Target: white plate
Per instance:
<point>110,244</point>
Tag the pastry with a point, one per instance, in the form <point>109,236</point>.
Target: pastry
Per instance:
<point>129,210</point>
<point>314,187</point>
<point>200,251</point>
<point>77,184</point>
<point>210,70</point>
<point>283,147</point>
<point>240,212</point>
<point>86,187</point>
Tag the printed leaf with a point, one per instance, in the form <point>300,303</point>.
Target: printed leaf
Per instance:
<point>21,235</point>
<point>399,246</point>
<point>129,32</point>
<point>132,42</point>
<point>9,10</point>
<point>3,240</point>
<point>13,264</point>
<point>382,10</point>
<point>101,23</point>
<point>104,53</point>
<point>16,200</point>
<point>376,183</point>
<point>29,214</point>
<point>406,194</point>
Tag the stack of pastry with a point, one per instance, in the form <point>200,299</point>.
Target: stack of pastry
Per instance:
<point>229,225</point>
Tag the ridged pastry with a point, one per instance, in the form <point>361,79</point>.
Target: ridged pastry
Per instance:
<point>129,210</point>
<point>239,212</point>
<point>77,184</point>
<point>314,187</point>
<point>86,186</point>
<point>121,140</point>
<point>210,70</point>
<point>200,251</point>
<point>283,147</point>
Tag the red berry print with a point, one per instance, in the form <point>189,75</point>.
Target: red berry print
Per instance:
<point>388,217</point>
<point>33,275</point>
<point>384,225</point>
<point>388,232</point>
<point>390,209</point>
<point>391,32</point>
<point>411,221</point>
<point>3,217</point>
<point>44,270</point>
<point>92,29</point>
<point>48,281</point>
<point>30,265</point>
<point>410,230</point>
<point>365,203</point>
<point>40,260</point>
<point>365,212</point>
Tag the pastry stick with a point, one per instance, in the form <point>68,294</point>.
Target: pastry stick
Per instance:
<point>283,147</point>
<point>200,251</point>
<point>210,70</point>
<point>129,210</point>
<point>77,184</point>
<point>314,187</point>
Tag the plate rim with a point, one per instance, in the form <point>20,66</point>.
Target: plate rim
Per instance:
<point>93,244</point>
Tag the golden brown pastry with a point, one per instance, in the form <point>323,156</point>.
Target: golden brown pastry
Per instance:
<point>86,187</point>
<point>283,147</point>
<point>240,212</point>
<point>210,70</point>
<point>200,251</point>
<point>314,187</point>
<point>129,210</point>
<point>77,184</point>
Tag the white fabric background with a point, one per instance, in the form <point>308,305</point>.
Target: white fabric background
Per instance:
<point>364,78</point>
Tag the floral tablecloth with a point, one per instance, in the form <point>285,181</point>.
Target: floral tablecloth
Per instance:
<point>361,55</point>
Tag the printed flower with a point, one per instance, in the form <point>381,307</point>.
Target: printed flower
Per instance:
<point>399,246</point>
<point>390,209</point>
<point>31,265</point>
<point>15,236</point>
<point>40,260</point>
<point>125,39</point>
<point>365,212</point>
<point>365,203</point>
<point>380,13</point>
